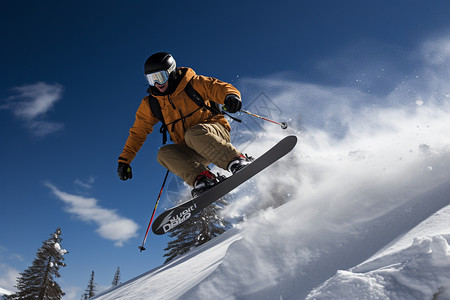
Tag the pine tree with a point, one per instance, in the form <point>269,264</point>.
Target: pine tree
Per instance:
<point>89,292</point>
<point>116,280</point>
<point>197,230</point>
<point>37,282</point>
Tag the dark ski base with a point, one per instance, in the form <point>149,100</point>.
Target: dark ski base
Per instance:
<point>178,214</point>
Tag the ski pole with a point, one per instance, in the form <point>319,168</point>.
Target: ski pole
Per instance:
<point>282,124</point>
<point>153,214</point>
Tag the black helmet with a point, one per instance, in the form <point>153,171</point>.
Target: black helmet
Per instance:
<point>161,61</point>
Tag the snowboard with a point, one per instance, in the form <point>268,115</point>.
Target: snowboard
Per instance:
<point>174,216</point>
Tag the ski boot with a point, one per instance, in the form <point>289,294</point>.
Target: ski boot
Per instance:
<point>204,182</point>
<point>239,163</point>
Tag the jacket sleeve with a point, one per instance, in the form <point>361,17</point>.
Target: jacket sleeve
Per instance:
<point>143,125</point>
<point>213,89</point>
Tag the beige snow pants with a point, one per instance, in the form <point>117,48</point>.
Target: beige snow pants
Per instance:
<point>205,144</point>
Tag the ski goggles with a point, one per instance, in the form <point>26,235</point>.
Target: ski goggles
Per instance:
<point>160,77</point>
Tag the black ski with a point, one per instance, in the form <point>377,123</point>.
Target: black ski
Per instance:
<point>173,217</point>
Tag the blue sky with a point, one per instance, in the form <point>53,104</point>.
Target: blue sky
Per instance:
<point>72,79</point>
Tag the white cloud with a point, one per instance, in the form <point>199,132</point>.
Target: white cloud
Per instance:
<point>16,257</point>
<point>110,225</point>
<point>5,254</point>
<point>32,103</point>
<point>37,99</point>
<point>436,51</point>
<point>72,292</point>
<point>86,184</point>
<point>8,277</point>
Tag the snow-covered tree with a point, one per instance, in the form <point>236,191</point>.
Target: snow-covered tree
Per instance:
<point>89,292</point>
<point>197,230</point>
<point>37,282</point>
<point>116,280</point>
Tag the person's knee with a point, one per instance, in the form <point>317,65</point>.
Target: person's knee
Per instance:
<point>162,154</point>
<point>160,157</point>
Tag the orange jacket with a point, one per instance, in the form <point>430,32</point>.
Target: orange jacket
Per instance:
<point>175,106</point>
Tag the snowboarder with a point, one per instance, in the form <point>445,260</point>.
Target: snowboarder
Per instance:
<point>200,133</point>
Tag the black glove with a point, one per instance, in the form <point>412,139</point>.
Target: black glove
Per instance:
<point>124,171</point>
<point>232,103</point>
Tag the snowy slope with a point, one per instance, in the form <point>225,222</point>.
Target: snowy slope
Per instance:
<point>232,267</point>
<point>369,213</point>
<point>175,278</point>
<point>4,292</point>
